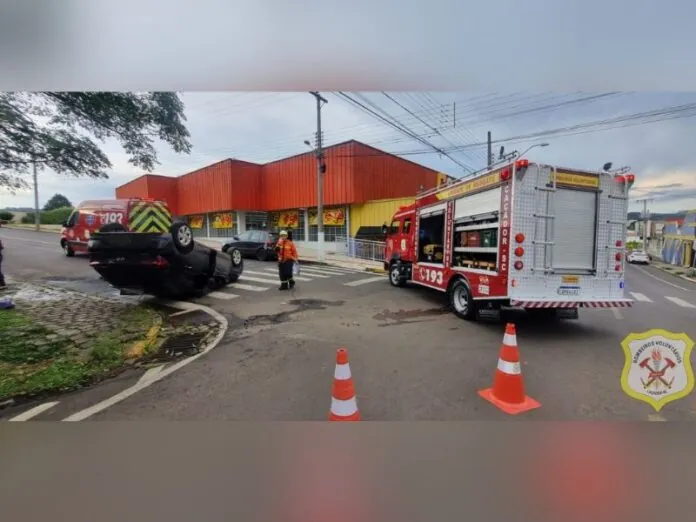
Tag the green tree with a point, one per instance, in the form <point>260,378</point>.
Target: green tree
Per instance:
<point>57,130</point>
<point>57,201</point>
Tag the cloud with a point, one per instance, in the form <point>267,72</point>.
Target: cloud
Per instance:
<point>262,127</point>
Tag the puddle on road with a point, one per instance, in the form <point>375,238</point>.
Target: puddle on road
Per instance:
<point>283,317</point>
<point>402,315</point>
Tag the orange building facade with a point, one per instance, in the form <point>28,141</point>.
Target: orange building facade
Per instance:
<point>231,196</point>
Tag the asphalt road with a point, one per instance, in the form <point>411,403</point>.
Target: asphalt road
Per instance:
<point>411,360</point>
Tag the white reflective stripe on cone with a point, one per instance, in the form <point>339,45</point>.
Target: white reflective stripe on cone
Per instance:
<point>511,368</point>
<point>342,372</point>
<point>510,339</point>
<point>344,408</point>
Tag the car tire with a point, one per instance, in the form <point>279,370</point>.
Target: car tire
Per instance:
<point>182,236</point>
<point>113,227</point>
<point>262,254</point>
<point>69,252</point>
<point>235,255</point>
<point>461,301</point>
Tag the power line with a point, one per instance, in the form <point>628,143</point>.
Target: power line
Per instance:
<point>401,128</point>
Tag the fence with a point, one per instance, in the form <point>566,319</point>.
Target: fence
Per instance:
<point>360,248</point>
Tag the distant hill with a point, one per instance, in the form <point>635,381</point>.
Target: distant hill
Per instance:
<point>656,216</point>
<point>18,209</point>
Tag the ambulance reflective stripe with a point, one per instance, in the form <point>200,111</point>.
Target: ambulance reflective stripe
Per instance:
<point>149,216</point>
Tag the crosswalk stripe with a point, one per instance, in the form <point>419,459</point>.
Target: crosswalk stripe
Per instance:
<point>365,281</point>
<point>250,288</point>
<point>274,281</point>
<point>244,278</point>
<point>302,271</point>
<point>680,302</point>
<point>221,295</point>
<point>641,297</point>
<point>317,271</point>
<point>325,270</point>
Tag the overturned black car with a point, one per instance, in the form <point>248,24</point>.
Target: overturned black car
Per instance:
<point>169,265</point>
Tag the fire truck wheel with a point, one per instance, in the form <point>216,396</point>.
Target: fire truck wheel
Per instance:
<point>460,300</point>
<point>395,277</point>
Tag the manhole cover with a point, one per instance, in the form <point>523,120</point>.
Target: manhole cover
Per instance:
<point>182,344</point>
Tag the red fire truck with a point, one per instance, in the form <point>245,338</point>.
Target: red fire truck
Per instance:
<point>520,235</point>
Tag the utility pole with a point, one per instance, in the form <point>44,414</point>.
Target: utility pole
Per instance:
<point>644,219</point>
<point>320,179</point>
<point>37,215</point>
<point>490,150</point>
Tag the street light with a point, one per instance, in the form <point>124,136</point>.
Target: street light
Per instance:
<point>535,145</point>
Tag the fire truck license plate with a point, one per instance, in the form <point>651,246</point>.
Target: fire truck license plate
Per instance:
<point>569,290</point>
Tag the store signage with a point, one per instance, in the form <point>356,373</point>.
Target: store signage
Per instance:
<point>475,185</point>
<point>222,220</point>
<point>335,217</point>
<point>289,219</point>
<point>196,221</point>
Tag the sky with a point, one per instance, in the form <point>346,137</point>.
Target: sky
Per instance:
<point>583,130</point>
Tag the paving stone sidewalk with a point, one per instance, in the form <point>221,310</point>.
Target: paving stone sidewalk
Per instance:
<point>71,314</point>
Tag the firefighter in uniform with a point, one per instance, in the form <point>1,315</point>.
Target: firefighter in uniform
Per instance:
<point>287,257</point>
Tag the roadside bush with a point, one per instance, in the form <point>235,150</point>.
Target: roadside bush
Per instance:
<point>6,215</point>
<point>50,217</point>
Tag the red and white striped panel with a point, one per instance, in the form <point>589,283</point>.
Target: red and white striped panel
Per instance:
<point>625,303</point>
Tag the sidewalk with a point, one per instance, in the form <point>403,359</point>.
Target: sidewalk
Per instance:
<point>679,271</point>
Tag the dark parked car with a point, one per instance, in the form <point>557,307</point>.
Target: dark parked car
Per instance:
<point>254,243</point>
<point>168,265</point>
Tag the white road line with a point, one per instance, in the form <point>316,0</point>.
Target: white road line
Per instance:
<point>661,280</point>
<point>617,313</point>
<point>318,271</point>
<point>221,295</point>
<point>324,268</point>
<point>302,271</point>
<point>272,281</point>
<point>250,288</point>
<point>100,406</point>
<point>365,281</point>
<point>13,238</point>
<point>680,302</point>
<point>30,414</point>
<point>641,297</point>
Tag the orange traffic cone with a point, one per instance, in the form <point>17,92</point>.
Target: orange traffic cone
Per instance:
<point>344,406</point>
<point>507,392</point>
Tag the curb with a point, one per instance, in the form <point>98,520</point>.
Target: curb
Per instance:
<point>44,230</point>
<point>139,347</point>
<point>675,274</point>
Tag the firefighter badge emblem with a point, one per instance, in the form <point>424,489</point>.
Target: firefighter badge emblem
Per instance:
<point>658,367</point>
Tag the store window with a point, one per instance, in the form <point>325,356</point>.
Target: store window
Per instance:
<point>257,220</point>
<point>331,232</point>
<point>223,224</point>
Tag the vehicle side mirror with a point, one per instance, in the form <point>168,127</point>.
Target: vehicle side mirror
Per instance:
<point>65,224</point>
<point>384,230</point>
<point>236,238</point>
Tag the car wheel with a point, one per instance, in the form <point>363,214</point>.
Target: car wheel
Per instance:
<point>395,277</point>
<point>69,252</point>
<point>182,235</point>
<point>261,254</point>
<point>461,301</point>
<point>236,256</point>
